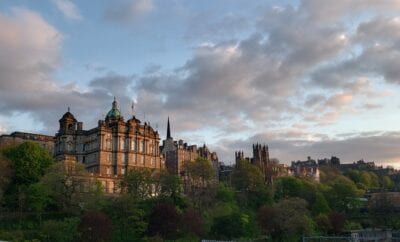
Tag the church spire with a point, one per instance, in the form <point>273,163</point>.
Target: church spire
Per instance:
<point>168,130</point>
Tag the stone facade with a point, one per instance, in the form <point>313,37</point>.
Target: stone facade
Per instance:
<point>176,153</point>
<point>110,149</point>
<point>308,168</point>
<point>271,169</point>
<point>45,141</point>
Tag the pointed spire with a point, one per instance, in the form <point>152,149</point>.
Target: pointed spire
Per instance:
<point>168,130</point>
<point>69,109</point>
<point>114,103</point>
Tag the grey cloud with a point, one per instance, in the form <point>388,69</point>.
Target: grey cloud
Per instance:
<point>375,146</point>
<point>128,11</point>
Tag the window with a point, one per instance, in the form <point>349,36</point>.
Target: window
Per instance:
<point>142,160</point>
<point>108,171</point>
<point>123,158</point>
<point>152,161</point>
<point>123,171</point>
<point>133,145</point>
<point>141,146</point>
<point>108,144</point>
<point>122,144</point>
<point>109,157</point>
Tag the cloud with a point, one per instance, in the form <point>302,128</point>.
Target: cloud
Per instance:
<point>68,8</point>
<point>373,146</point>
<point>128,11</point>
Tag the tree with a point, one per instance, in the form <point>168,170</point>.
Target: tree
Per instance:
<point>171,189</point>
<point>320,205</point>
<point>247,177</point>
<point>343,195</point>
<point>233,226</point>
<point>191,223</point>
<point>287,187</point>
<point>140,183</point>
<point>95,226</point>
<point>128,218</point>
<point>29,161</point>
<point>200,171</point>
<point>248,181</point>
<point>163,221</point>
<point>387,183</point>
<point>72,189</point>
<point>286,220</point>
<point>60,230</point>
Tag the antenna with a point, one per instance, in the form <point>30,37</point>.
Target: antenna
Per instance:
<point>68,108</point>
<point>133,107</point>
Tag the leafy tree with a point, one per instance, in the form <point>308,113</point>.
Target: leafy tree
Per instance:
<point>225,193</point>
<point>95,226</point>
<point>320,205</point>
<point>129,219</point>
<point>286,220</point>
<point>163,221</point>
<point>29,161</point>
<point>343,195</point>
<point>140,183</point>
<point>199,171</point>
<point>60,230</point>
<point>247,177</point>
<point>337,221</point>
<point>248,181</point>
<point>387,183</point>
<point>171,189</point>
<point>71,189</point>
<point>287,187</point>
<point>233,226</point>
<point>192,224</point>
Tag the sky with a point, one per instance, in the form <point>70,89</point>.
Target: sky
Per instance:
<point>308,78</point>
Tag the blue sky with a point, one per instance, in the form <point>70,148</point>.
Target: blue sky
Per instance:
<point>308,77</point>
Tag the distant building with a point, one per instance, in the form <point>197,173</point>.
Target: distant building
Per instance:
<point>110,149</point>
<point>176,153</point>
<point>359,165</point>
<point>308,168</point>
<point>333,162</point>
<point>45,141</point>
<point>271,169</point>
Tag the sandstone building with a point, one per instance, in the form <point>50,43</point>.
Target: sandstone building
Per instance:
<point>271,169</point>
<point>176,153</point>
<point>109,150</point>
<point>308,168</point>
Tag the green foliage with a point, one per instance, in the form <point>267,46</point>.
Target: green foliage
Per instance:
<point>233,226</point>
<point>139,183</point>
<point>387,183</point>
<point>286,220</point>
<point>60,230</point>
<point>225,193</point>
<point>70,190</point>
<point>200,170</point>
<point>128,218</point>
<point>320,205</point>
<point>247,177</point>
<point>29,161</point>
<point>343,195</point>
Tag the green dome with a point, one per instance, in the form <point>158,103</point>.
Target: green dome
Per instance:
<point>114,112</point>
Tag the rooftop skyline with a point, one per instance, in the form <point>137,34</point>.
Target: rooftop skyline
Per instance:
<point>308,78</point>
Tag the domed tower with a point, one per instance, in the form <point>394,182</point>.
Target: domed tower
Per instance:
<point>114,114</point>
<point>65,138</point>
